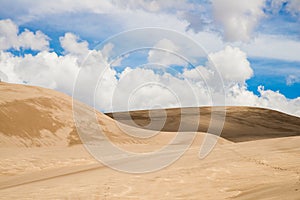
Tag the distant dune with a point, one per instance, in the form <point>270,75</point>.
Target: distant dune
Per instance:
<point>41,155</point>
<point>241,123</point>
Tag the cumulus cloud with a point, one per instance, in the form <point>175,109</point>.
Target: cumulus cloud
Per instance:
<point>35,41</point>
<point>197,74</point>
<point>8,35</point>
<point>235,69</point>
<point>143,88</point>
<point>267,99</point>
<point>10,38</point>
<point>232,64</point>
<point>70,43</point>
<point>238,18</point>
<point>45,69</point>
<point>278,101</point>
<point>164,53</point>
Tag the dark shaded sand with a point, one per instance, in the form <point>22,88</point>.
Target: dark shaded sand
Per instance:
<point>241,123</point>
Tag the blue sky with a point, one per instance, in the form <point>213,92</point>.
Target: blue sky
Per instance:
<point>267,31</point>
<point>274,75</point>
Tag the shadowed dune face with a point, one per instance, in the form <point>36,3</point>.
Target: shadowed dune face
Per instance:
<point>31,116</point>
<point>25,117</point>
<point>241,123</point>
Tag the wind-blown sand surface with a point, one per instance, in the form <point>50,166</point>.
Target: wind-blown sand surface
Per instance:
<point>41,157</point>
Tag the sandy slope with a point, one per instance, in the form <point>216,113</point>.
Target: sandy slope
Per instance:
<point>35,166</point>
<point>32,116</point>
<point>241,123</point>
<point>265,170</point>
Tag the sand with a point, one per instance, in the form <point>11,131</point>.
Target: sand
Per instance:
<point>35,165</point>
<point>241,123</point>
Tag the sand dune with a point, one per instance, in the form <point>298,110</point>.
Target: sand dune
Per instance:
<point>241,123</point>
<point>41,156</point>
<point>32,116</point>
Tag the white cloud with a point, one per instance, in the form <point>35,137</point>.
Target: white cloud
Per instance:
<point>128,15</point>
<point>107,50</point>
<point>95,19</point>
<point>34,41</point>
<point>142,88</point>
<point>235,70</point>
<point>3,77</point>
<point>240,96</point>
<point>40,8</point>
<point>164,52</point>
<point>30,10</point>
<point>277,101</point>
<point>151,6</point>
<point>294,6</point>
<point>292,79</point>
<point>154,5</point>
<point>9,38</point>
<point>197,74</point>
<point>232,64</point>
<point>238,18</point>
<point>70,43</point>
<point>8,34</point>
<point>271,46</point>
<point>139,89</point>
<point>44,69</point>
<point>261,46</point>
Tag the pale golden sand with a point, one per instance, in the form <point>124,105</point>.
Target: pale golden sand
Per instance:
<point>40,159</point>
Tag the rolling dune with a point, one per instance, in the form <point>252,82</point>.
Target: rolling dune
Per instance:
<point>41,155</point>
<point>241,123</point>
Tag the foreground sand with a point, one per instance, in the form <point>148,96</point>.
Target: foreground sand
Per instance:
<point>45,160</point>
<point>267,169</point>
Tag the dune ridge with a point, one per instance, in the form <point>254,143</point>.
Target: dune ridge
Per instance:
<point>241,123</point>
